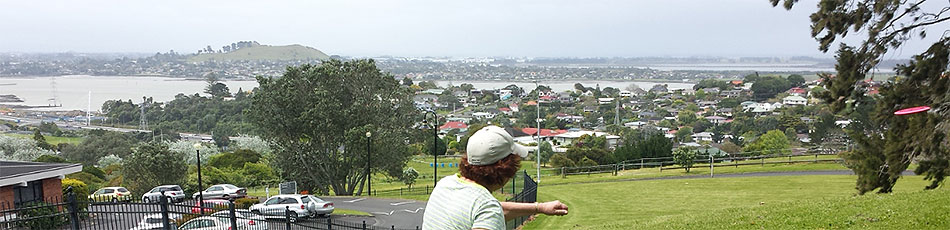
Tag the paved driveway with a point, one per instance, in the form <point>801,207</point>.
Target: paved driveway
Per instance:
<point>405,214</point>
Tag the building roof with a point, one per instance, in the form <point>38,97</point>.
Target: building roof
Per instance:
<point>453,125</point>
<point>16,172</point>
<point>544,132</point>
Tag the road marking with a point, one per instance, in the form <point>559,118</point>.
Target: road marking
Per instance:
<point>402,203</point>
<point>357,200</point>
<point>416,211</point>
<point>383,213</point>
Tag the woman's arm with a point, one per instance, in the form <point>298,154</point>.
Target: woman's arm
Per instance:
<point>514,209</point>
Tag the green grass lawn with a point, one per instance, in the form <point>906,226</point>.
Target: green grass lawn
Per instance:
<point>691,203</point>
<point>349,212</point>
<point>50,139</point>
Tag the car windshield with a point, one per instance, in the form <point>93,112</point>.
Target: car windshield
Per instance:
<point>318,200</point>
<point>108,191</point>
<point>123,190</point>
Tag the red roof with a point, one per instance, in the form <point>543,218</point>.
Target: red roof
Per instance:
<point>505,109</point>
<point>454,125</point>
<point>544,132</point>
<point>797,90</point>
<point>531,103</point>
<point>736,82</point>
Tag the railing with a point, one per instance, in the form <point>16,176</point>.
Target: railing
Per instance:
<point>528,194</point>
<point>68,215</point>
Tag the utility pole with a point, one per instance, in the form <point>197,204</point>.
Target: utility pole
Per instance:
<point>537,87</point>
<point>143,123</point>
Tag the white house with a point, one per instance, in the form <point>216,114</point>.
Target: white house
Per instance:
<point>703,136</point>
<point>794,100</point>
<point>567,138</point>
<point>605,100</point>
<point>483,115</point>
<point>716,119</point>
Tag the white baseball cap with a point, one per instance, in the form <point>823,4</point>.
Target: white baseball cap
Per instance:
<point>491,144</point>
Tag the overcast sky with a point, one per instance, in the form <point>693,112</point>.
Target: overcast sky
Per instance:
<point>532,28</point>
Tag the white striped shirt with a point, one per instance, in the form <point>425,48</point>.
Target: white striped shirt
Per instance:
<point>456,204</point>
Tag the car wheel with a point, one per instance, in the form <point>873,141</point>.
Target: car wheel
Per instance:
<point>114,200</point>
<point>145,200</point>
<point>226,197</point>
<point>256,212</point>
<point>293,217</point>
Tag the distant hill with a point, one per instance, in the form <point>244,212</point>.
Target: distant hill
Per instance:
<point>264,52</point>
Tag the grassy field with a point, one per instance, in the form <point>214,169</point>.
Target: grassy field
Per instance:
<point>910,210</point>
<point>691,203</point>
<point>50,139</point>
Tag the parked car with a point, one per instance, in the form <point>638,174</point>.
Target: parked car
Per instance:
<point>222,191</point>
<point>111,194</point>
<point>154,222</point>
<point>174,193</point>
<point>209,206</point>
<point>245,219</point>
<point>301,205</point>
<point>206,223</point>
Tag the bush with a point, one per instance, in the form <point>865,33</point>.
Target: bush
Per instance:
<point>559,160</point>
<point>37,210</point>
<point>50,159</point>
<point>90,181</point>
<point>246,202</point>
<point>80,189</point>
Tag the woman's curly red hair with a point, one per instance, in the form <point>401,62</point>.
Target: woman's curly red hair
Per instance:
<point>491,175</point>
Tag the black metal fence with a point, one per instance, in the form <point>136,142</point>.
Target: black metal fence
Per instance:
<point>528,194</point>
<point>74,213</point>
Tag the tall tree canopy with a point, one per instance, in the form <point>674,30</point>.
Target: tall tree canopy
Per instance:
<point>887,143</point>
<point>317,116</point>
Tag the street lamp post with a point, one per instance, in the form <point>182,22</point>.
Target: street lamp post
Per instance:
<point>369,176</point>
<point>538,134</point>
<point>200,189</point>
<point>435,144</point>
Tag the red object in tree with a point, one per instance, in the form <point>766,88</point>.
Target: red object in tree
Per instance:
<point>913,110</point>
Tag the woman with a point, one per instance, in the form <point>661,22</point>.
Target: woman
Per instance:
<point>464,201</point>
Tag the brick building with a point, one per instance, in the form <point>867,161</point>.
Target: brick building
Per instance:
<point>24,182</point>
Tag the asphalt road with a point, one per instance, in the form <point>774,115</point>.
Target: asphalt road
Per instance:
<point>405,214</point>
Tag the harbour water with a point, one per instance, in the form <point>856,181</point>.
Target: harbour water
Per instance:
<point>72,92</point>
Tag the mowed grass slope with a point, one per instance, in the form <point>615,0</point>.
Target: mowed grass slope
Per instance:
<point>50,139</point>
<point>687,203</point>
<point>909,210</point>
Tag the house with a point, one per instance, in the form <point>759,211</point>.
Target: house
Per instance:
<point>731,93</point>
<point>506,111</point>
<point>567,138</point>
<point>797,91</point>
<point>703,136</point>
<point>605,100</point>
<point>25,182</point>
<point>659,88</point>
<point>716,120</point>
<point>725,112</point>
<point>794,100</point>
<point>530,103</point>
<point>546,99</point>
<point>635,124</point>
<point>483,115</point>
<point>587,94</point>
<point>624,93</point>
<point>434,91</point>
<point>565,97</point>
<point>514,108</point>
<point>688,91</point>
<point>425,98</point>
<point>736,83</point>
<point>570,118</point>
<point>460,126</point>
<point>706,104</point>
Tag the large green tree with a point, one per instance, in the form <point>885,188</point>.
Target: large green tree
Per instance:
<point>317,116</point>
<point>152,165</point>
<point>887,143</point>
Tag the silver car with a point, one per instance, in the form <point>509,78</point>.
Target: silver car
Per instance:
<point>174,193</point>
<point>300,205</point>
<point>154,222</point>
<point>222,191</point>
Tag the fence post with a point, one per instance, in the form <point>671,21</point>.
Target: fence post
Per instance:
<point>329,223</point>
<point>763,160</point>
<point>287,216</point>
<point>816,157</point>
<point>232,216</point>
<point>73,208</point>
<point>163,202</point>
<point>364,225</point>
<point>562,173</point>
